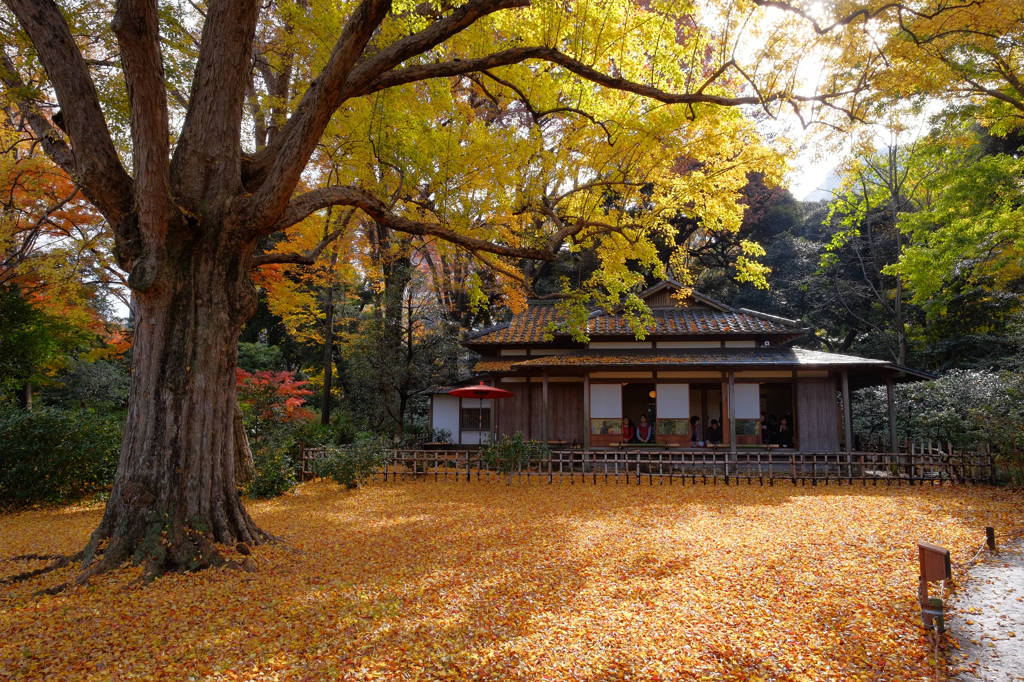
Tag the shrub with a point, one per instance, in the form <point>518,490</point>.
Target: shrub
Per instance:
<point>353,465</point>
<point>275,472</point>
<point>56,456</point>
<point>512,453</point>
<point>965,407</point>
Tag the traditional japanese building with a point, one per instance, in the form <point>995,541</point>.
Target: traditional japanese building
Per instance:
<point>701,358</point>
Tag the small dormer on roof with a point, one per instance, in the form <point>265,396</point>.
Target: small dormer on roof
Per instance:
<point>666,294</point>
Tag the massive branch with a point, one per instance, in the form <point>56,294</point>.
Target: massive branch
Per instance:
<point>137,26</point>
<point>208,155</point>
<point>277,167</point>
<point>306,204</point>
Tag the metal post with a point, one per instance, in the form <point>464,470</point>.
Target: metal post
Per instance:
<point>890,394</point>
<point>586,414</point>
<point>847,413</point>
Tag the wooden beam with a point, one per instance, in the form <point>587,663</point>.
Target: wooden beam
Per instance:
<point>546,405</point>
<point>732,411</point>
<point>586,411</point>
<point>529,408</point>
<point>890,393</point>
<point>847,412</point>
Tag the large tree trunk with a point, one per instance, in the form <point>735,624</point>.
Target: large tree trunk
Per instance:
<point>176,472</point>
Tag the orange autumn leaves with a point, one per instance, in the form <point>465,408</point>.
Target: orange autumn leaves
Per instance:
<point>435,581</point>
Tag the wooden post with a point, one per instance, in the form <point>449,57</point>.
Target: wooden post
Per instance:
<point>544,406</point>
<point>732,413</point>
<point>586,414</point>
<point>529,408</point>
<point>494,416</point>
<point>890,393</point>
<point>847,413</point>
<point>990,538</point>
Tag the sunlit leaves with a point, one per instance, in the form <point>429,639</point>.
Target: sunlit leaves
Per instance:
<point>435,581</point>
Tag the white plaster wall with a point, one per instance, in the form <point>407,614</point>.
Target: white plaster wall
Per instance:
<point>605,401</point>
<point>748,401</point>
<point>673,401</point>
<point>446,413</point>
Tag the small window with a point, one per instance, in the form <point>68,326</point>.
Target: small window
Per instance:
<point>473,420</point>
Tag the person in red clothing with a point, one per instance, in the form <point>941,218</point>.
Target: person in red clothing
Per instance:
<point>628,431</point>
<point>644,431</point>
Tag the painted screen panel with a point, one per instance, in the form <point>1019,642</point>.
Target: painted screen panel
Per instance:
<point>446,414</point>
<point>673,401</point>
<point>748,401</point>
<point>606,401</point>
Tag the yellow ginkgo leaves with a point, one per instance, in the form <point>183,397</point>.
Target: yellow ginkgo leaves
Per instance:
<point>433,581</point>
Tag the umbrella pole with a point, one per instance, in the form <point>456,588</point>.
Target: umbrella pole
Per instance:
<point>480,423</point>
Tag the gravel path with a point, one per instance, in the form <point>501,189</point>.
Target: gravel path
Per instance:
<point>987,619</point>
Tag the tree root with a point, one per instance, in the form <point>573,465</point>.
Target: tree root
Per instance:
<point>59,561</point>
<point>186,551</point>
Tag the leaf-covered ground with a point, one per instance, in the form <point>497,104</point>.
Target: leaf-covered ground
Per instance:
<point>456,581</point>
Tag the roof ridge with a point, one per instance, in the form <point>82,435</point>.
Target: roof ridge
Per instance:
<point>488,330</point>
<point>773,318</point>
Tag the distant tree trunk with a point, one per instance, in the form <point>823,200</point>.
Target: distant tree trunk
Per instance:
<point>901,326</point>
<point>325,414</point>
<point>245,467</point>
<point>25,396</point>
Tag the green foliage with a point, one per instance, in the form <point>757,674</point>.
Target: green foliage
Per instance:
<point>275,471</point>
<point>27,343</point>
<point>100,384</point>
<point>353,465</point>
<point>967,408</point>
<point>974,225</point>
<point>256,357</point>
<point>511,453</point>
<point>56,456</point>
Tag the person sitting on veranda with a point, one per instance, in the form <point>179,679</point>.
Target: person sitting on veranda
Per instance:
<point>784,437</point>
<point>766,437</point>
<point>696,436</point>
<point>773,430</point>
<point>714,433</point>
<point>644,431</point>
<point>628,431</point>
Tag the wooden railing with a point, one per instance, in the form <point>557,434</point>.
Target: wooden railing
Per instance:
<point>710,467</point>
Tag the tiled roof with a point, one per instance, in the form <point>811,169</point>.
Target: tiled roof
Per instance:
<point>692,321</point>
<point>529,326</point>
<point>494,366</point>
<point>783,357</point>
<point>533,324</point>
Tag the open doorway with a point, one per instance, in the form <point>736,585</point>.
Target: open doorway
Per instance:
<point>638,400</point>
<point>776,406</point>
<point>706,404</point>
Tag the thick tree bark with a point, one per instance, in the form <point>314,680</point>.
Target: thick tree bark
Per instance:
<point>177,467</point>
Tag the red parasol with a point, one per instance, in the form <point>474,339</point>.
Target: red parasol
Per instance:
<point>481,391</point>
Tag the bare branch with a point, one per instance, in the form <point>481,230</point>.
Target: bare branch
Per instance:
<point>97,166</point>
<point>304,205</point>
<point>864,13</point>
<point>309,257</point>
